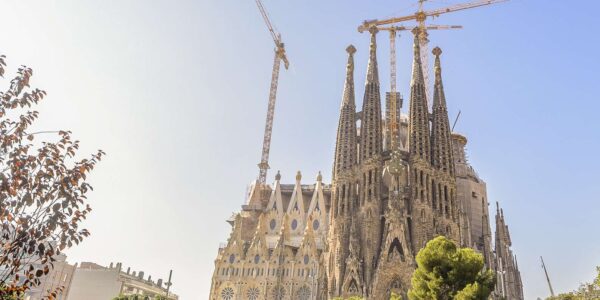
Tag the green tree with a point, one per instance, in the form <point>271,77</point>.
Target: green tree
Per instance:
<point>446,272</point>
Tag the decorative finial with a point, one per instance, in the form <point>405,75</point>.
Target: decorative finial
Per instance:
<point>351,50</point>
<point>437,51</point>
<point>319,177</point>
<point>373,30</point>
<point>278,176</point>
<point>298,176</point>
<point>415,31</point>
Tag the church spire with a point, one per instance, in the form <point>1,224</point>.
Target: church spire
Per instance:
<point>345,149</point>
<point>370,130</point>
<point>440,135</point>
<point>418,129</point>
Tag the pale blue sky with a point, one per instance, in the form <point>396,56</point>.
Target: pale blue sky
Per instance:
<point>176,91</point>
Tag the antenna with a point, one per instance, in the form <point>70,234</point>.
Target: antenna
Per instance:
<point>547,277</point>
<point>455,120</point>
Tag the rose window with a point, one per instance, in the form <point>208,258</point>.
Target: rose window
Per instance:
<point>253,293</point>
<point>304,293</point>
<point>227,293</point>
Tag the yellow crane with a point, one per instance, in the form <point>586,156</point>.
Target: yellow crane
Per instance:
<point>279,57</point>
<point>420,16</point>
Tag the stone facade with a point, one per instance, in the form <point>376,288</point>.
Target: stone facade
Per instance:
<point>397,182</point>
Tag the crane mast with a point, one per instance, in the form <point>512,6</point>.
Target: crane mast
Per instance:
<point>393,125</point>
<point>279,56</point>
<point>547,277</point>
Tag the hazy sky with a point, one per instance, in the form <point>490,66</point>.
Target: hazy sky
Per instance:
<point>176,92</point>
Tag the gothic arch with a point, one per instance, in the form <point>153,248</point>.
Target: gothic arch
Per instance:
<point>352,288</point>
<point>396,249</point>
<point>392,276</point>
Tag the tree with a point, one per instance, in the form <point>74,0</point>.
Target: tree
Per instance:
<point>42,187</point>
<point>445,271</point>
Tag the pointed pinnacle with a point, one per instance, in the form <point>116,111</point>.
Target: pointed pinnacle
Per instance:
<point>351,49</point>
<point>373,30</point>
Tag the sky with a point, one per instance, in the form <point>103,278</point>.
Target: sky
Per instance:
<point>175,92</point>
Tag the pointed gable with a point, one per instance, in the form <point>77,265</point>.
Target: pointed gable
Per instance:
<point>318,199</point>
<point>275,202</point>
<point>297,200</point>
<point>259,242</point>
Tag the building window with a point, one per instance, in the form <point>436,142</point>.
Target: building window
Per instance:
<point>304,293</point>
<point>227,293</point>
<point>253,293</point>
<point>278,293</point>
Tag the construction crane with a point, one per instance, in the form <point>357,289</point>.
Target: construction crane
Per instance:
<point>393,126</point>
<point>279,57</point>
<point>547,277</point>
<point>420,16</point>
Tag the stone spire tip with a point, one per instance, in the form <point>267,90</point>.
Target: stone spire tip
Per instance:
<point>351,49</point>
<point>437,51</point>
<point>298,176</point>
<point>373,30</point>
<point>278,175</point>
<point>319,177</point>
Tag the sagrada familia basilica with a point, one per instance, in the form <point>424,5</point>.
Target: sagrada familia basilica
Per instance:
<point>397,182</point>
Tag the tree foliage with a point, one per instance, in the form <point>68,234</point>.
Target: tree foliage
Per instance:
<point>447,272</point>
<point>42,187</point>
<point>586,291</point>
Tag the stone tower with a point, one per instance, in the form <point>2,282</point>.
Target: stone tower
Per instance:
<point>370,167</point>
<point>509,283</point>
<point>344,199</point>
